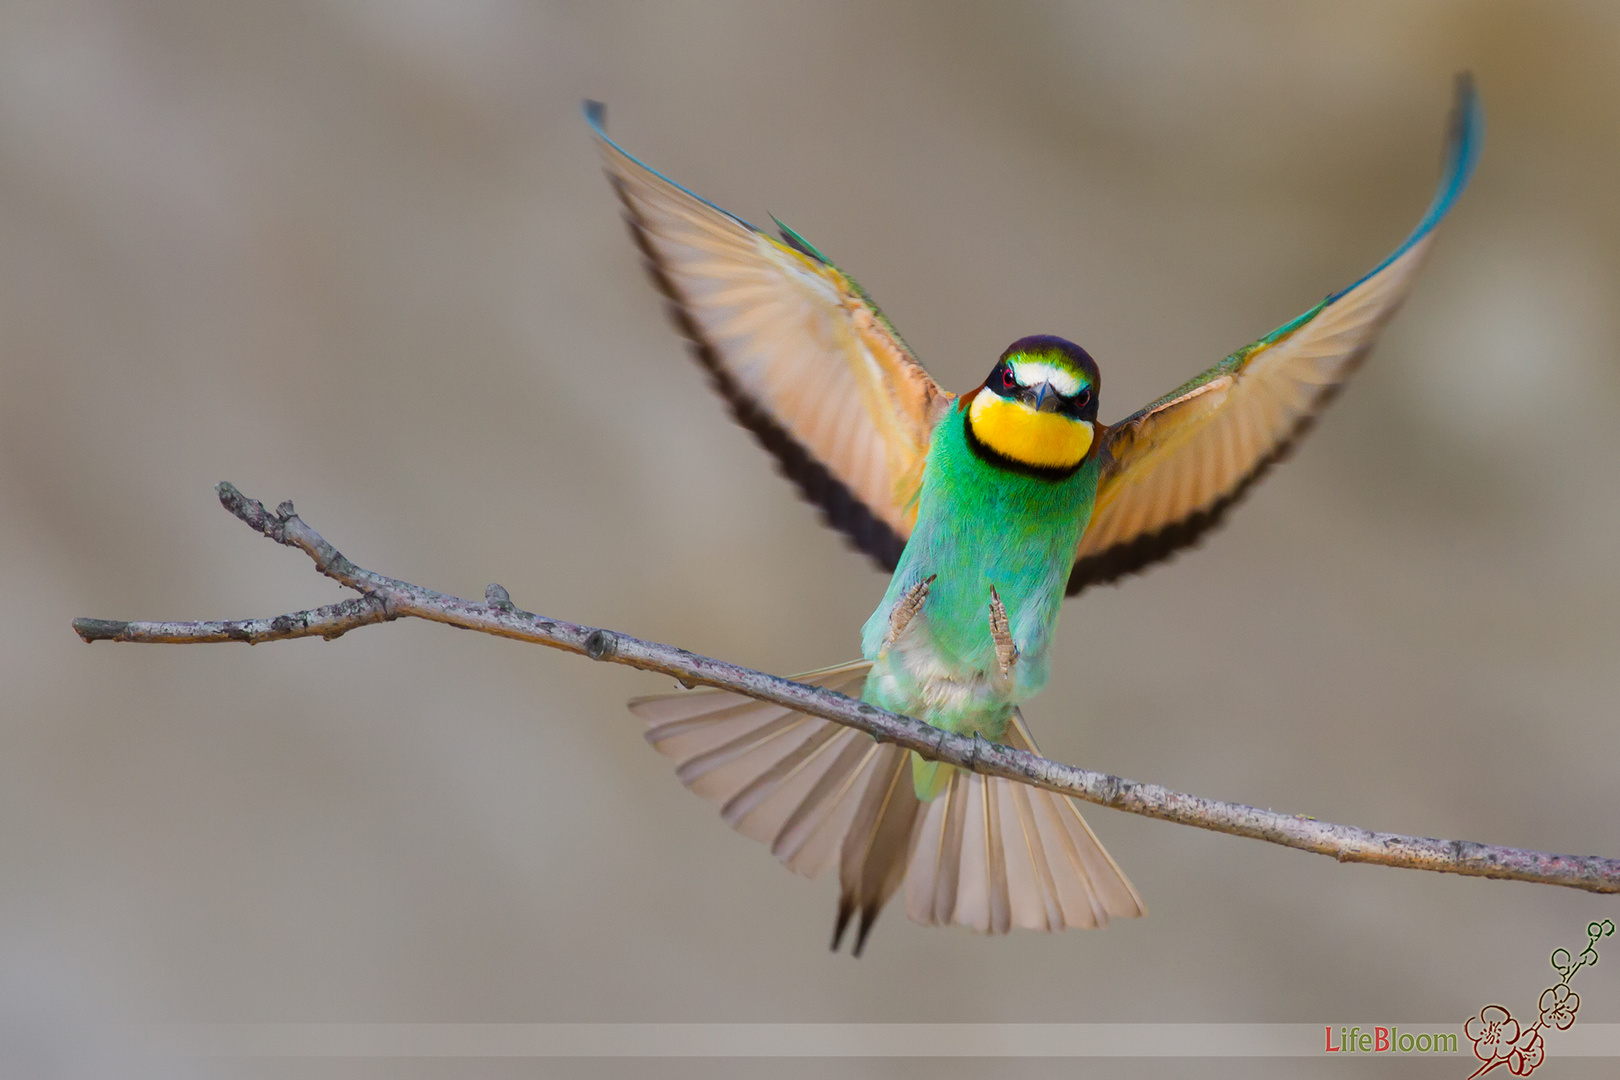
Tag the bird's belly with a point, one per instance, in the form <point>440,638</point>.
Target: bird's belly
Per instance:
<point>913,678</point>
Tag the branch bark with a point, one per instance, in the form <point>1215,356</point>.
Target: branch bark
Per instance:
<point>383,599</point>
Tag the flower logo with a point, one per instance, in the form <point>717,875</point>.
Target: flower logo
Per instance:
<point>1528,1052</point>
<point>1558,1005</point>
<point>1493,1033</point>
<point>1499,1039</point>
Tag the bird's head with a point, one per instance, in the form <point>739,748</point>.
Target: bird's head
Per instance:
<point>1038,408</point>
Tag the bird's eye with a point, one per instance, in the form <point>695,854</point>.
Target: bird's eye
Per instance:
<point>1083,398</point>
<point>1008,380</point>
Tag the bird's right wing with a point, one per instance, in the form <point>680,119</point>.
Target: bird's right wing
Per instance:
<point>802,355</point>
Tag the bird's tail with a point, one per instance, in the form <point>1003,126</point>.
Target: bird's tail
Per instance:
<point>990,854</point>
<point>987,853</point>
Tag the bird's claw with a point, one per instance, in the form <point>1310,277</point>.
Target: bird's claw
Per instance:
<point>907,609</point>
<point>1001,634</point>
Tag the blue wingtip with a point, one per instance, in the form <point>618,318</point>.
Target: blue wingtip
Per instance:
<point>595,115</point>
<point>1465,136</point>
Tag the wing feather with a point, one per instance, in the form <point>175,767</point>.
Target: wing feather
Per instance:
<point>1172,471</point>
<point>803,357</point>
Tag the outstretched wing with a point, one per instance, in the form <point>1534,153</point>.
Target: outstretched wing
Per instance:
<point>804,358</point>
<point>1171,471</point>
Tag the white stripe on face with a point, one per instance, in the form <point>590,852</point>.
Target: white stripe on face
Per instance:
<point>1035,372</point>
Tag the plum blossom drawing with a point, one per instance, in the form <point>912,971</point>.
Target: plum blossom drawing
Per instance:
<point>1558,1005</point>
<point>1499,1039</point>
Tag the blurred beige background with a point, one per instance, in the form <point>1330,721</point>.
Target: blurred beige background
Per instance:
<point>361,256</point>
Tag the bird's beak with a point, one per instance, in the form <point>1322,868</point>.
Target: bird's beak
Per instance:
<point>1047,399</point>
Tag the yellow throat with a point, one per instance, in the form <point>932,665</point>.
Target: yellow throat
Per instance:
<point>1043,440</point>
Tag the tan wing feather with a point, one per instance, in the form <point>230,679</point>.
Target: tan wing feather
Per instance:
<point>1171,471</point>
<point>805,359</point>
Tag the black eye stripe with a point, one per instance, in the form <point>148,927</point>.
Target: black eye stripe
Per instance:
<point>1004,382</point>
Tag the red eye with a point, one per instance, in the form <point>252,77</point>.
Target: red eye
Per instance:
<point>1008,381</point>
<point>1082,398</point>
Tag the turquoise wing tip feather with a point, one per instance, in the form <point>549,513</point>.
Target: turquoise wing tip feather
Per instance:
<point>793,240</point>
<point>1465,136</point>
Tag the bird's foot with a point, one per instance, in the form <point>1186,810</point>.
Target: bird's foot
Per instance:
<point>1001,634</point>
<point>907,609</point>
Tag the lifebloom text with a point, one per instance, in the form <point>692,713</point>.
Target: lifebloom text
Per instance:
<point>1384,1040</point>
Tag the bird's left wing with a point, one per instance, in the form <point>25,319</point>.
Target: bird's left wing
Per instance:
<point>805,360</point>
<point>1171,471</point>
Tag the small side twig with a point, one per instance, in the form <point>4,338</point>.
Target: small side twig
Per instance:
<point>384,598</point>
<point>327,622</point>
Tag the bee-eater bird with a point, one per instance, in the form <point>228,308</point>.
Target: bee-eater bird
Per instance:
<point>988,508</point>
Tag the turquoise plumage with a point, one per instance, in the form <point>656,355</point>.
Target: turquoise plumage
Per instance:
<point>985,529</point>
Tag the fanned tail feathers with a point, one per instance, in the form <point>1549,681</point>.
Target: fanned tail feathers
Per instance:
<point>992,854</point>
<point>988,853</point>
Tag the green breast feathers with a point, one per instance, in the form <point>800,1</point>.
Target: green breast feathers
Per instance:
<point>988,539</point>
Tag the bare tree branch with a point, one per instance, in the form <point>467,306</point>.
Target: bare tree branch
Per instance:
<point>383,599</point>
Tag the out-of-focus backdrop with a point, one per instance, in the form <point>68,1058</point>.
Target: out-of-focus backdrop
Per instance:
<point>361,256</point>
